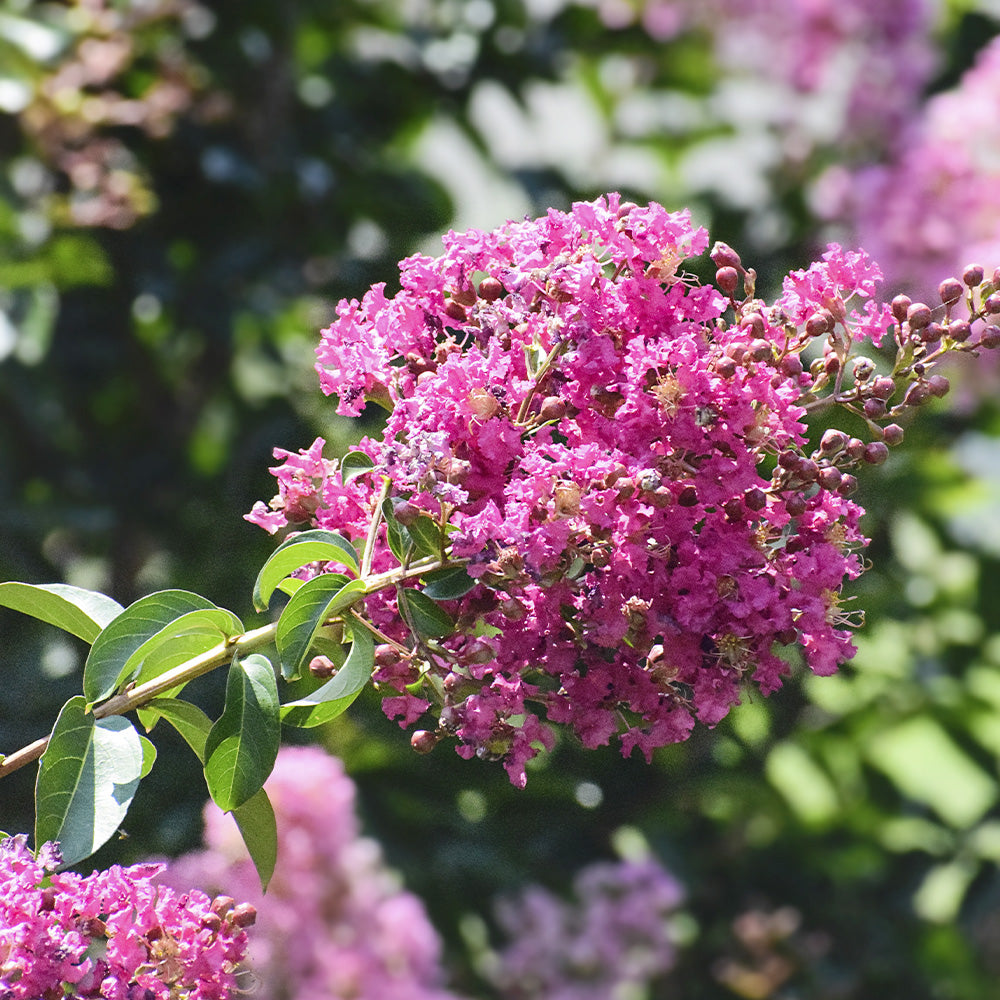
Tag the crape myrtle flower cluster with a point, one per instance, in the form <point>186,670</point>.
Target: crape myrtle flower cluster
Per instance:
<point>619,454</point>
<point>112,934</point>
<point>613,939</point>
<point>336,923</point>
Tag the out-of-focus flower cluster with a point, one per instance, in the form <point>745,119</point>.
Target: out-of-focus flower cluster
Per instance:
<point>336,922</point>
<point>620,455</point>
<point>113,935</point>
<point>614,939</point>
<point>936,204</point>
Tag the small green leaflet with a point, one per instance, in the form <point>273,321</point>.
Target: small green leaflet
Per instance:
<point>255,818</point>
<point>448,584</point>
<point>328,701</point>
<point>120,649</point>
<point>426,617</point>
<point>87,778</point>
<point>242,745</point>
<point>296,552</point>
<point>310,607</point>
<point>354,464</point>
<point>81,612</point>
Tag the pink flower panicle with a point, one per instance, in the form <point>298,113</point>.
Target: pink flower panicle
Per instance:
<point>624,469</point>
<point>335,924</point>
<point>112,934</point>
<point>615,936</point>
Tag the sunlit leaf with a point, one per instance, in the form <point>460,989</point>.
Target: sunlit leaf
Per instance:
<point>426,617</point>
<point>296,552</point>
<point>81,612</point>
<point>448,584</point>
<point>354,464</point>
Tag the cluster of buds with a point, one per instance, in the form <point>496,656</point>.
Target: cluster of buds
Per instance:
<point>620,457</point>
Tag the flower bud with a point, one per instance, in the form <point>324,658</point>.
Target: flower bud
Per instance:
<point>787,636</point>
<point>755,499</point>
<point>807,469</point>
<point>938,385</point>
<point>959,330</point>
<point>48,900</point>
<point>464,296</point>
<point>724,255</point>
<point>855,449</point>
<point>931,333</point>
<point>950,291</point>
<point>788,460</point>
<point>990,338</point>
<point>900,304</point>
<point>848,485</point>
<point>625,208</point>
<point>883,387</point>
<point>244,915</point>
<point>818,324</point>
<point>996,277</point>
<point>223,904</point>
<point>553,408</point>
<point>876,453</point>
<point>483,404</point>
<point>512,609</point>
<point>424,741</point>
<point>386,655</point>
<point>918,315</point>
<point>688,497</point>
<point>760,350</point>
<point>456,311</point>
<point>733,509</point>
<point>212,922</point>
<point>973,275</point>
<point>831,364</point>
<point>725,367</point>
<point>992,304</point>
<point>916,394</point>
<point>829,478</point>
<point>796,505</point>
<point>791,365</point>
<point>727,278</point>
<point>490,289</point>
<point>753,323</point>
<point>322,667</point>
<point>832,441</point>
<point>864,368</point>
<point>874,408</point>
<point>892,434</point>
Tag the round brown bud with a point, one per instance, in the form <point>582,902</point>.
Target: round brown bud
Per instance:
<point>990,338</point>
<point>512,609</point>
<point>223,904</point>
<point>553,408</point>
<point>625,208</point>
<point>753,323</point>
<point>736,351</point>
<point>760,350</point>
<point>386,655</point>
<point>733,509</point>
<point>755,499</point>
<point>796,505</point>
<point>456,310</point>
<point>788,460</point>
<point>725,367</point>
<point>959,330</point>
<point>863,370</point>
<point>931,333</point>
<point>876,452</point>
<point>892,434</point>
<point>688,497</point>
<point>950,290</point>
<point>464,296</point>
<point>829,477</point>
<point>992,304</point>
<point>791,365</point>
<point>832,441</point>
<point>727,278</point>
<point>787,636</point>
<point>831,364</point>
<point>973,275</point>
<point>938,385</point>
<point>724,255</point>
<point>918,315</point>
<point>818,324</point>
<point>996,277</point>
<point>807,469</point>
<point>406,513</point>
<point>48,900</point>
<point>244,915</point>
<point>883,387</point>
<point>322,667</point>
<point>874,408</point>
<point>490,289</point>
<point>212,922</point>
<point>917,394</point>
<point>900,304</point>
<point>855,449</point>
<point>848,485</point>
<point>424,741</point>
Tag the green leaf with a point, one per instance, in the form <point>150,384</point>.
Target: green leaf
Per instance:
<point>354,464</point>
<point>328,701</point>
<point>426,535</point>
<point>259,830</point>
<point>81,612</point>
<point>242,746</point>
<point>87,778</point>
<point>189,720</point>
<point>311,606</point>
<point>296,552</point>
<point>111,660</point>
<point>426,617</point>
<point>448,584</point>
<point>148,755</point>
<point>400,543</point>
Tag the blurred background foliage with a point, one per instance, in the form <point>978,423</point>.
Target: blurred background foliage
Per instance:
<point>186,190</point>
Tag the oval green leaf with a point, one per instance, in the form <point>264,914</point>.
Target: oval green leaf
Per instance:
<point>328,701</point>
<point>354,464</point>
<point>448,584</point>
<point>424,615</point>
<point>312,605</point>
<point>189,720</point>
<point>87,778</point>
<point>259,830</point>
<point>242,745</point>
<point>111,662</point>
<point>81,612</point>
<point>296,552</point>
